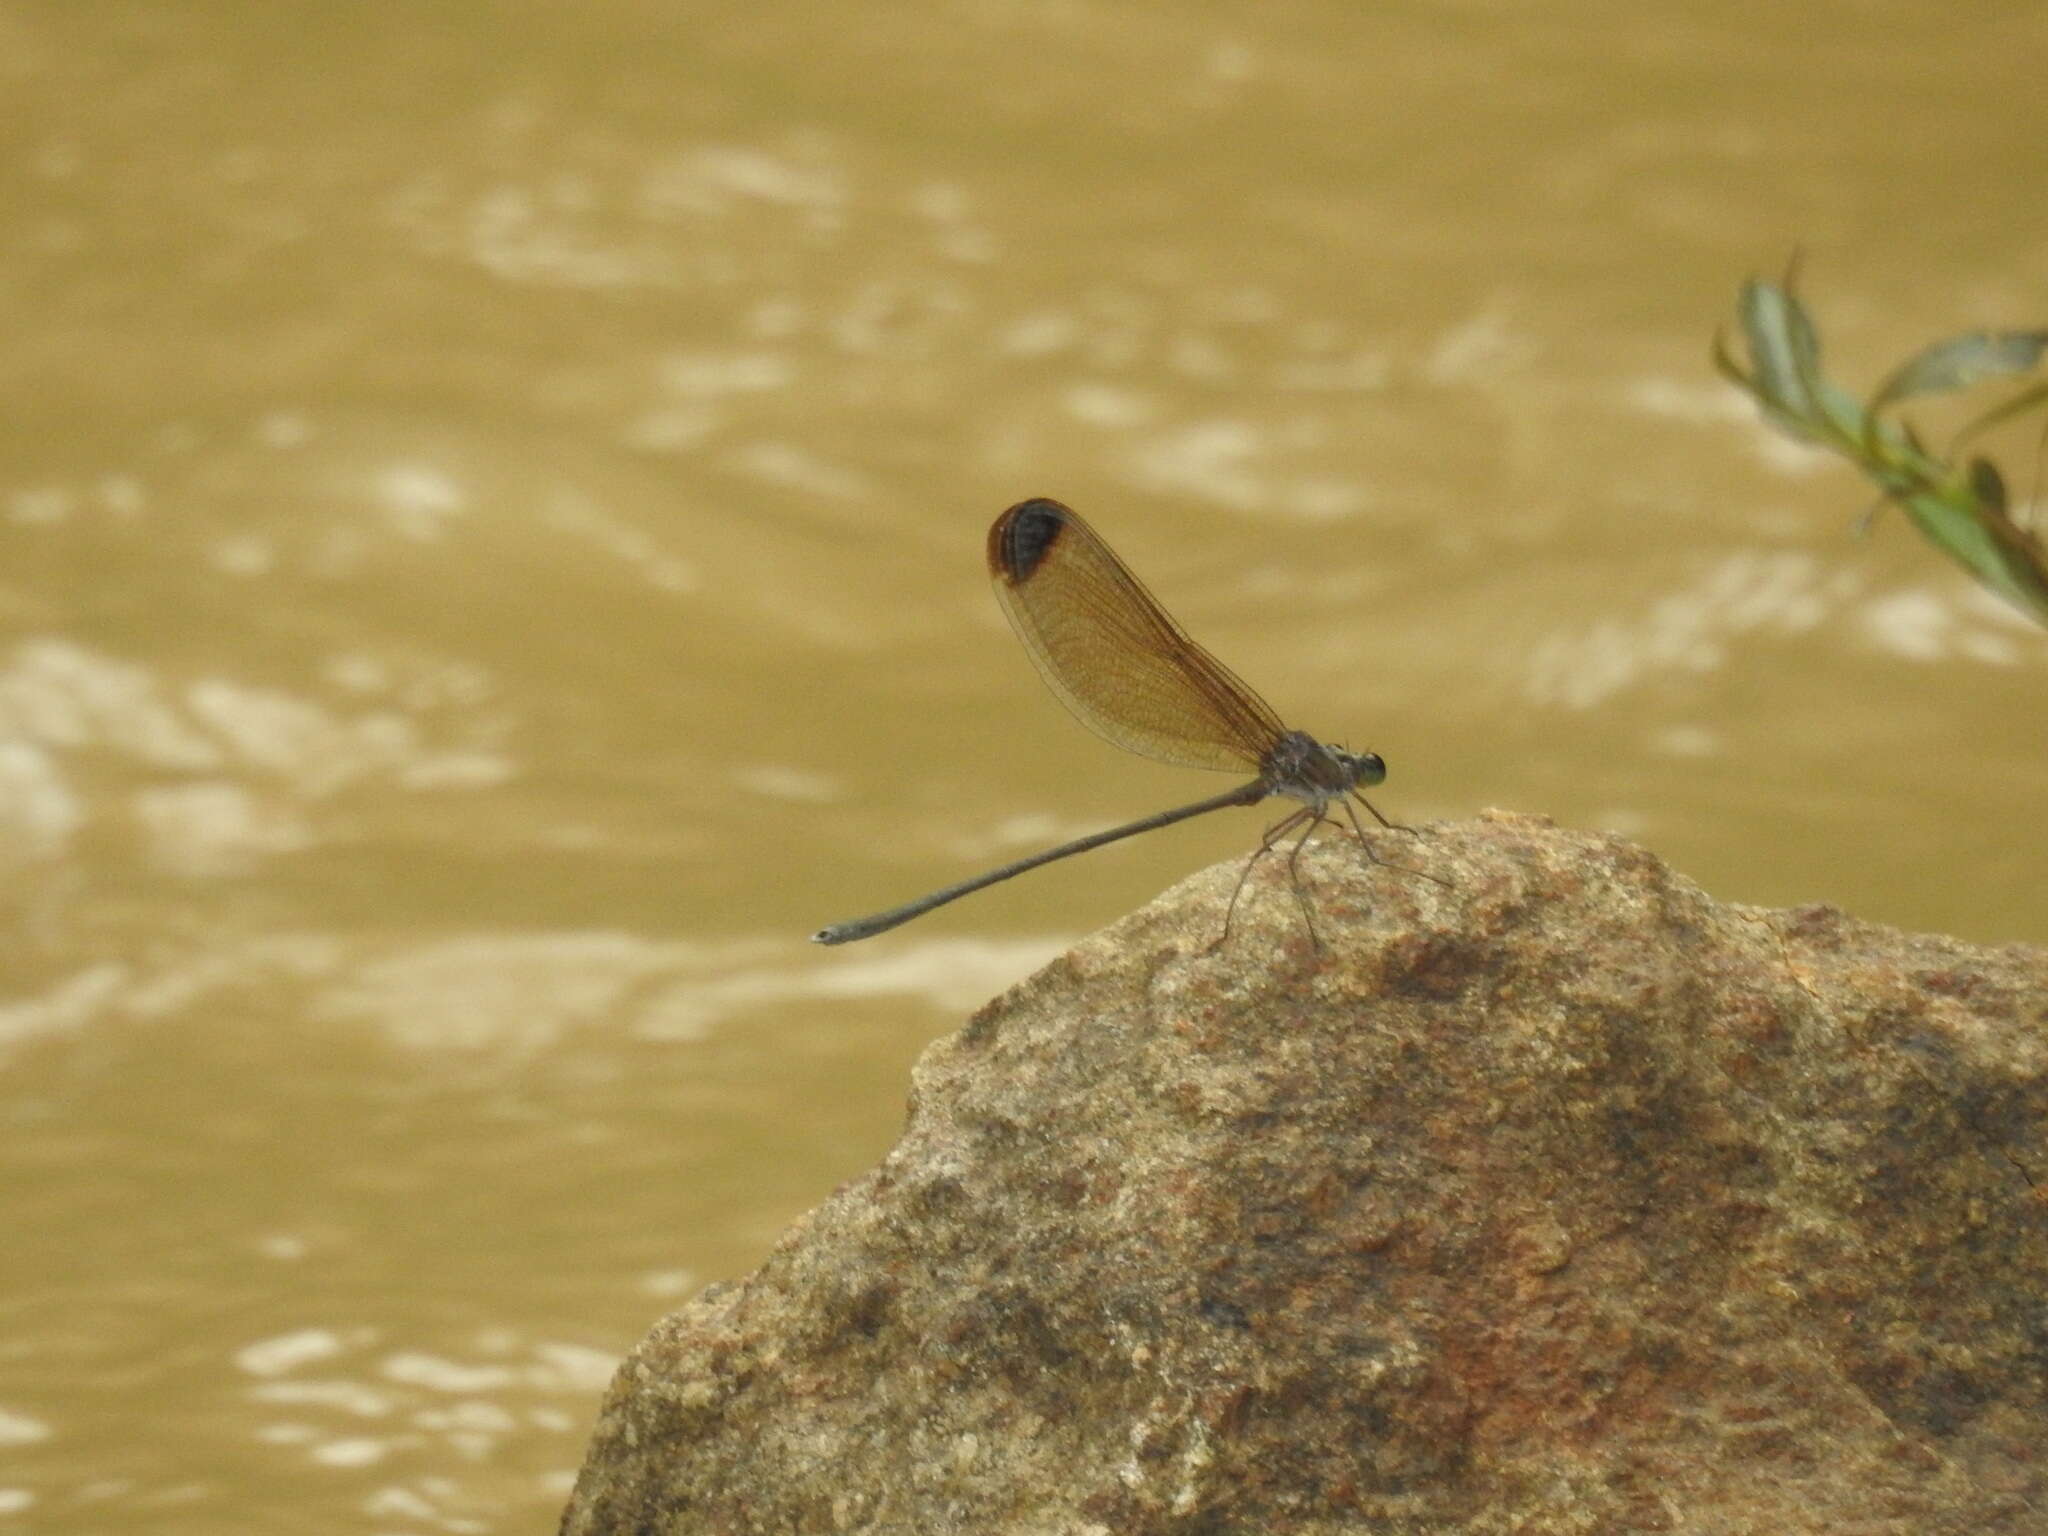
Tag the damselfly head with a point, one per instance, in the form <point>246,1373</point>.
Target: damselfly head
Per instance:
<point>1366,768</point>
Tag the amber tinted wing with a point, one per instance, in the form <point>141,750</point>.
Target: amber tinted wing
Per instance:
<point>1112,654</point>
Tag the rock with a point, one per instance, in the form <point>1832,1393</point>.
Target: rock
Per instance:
<point>1559,1198</point>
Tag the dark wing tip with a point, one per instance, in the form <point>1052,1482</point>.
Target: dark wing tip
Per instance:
<point>1022,537</point>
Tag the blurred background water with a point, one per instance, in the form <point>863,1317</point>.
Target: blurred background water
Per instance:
<point>492,501</point>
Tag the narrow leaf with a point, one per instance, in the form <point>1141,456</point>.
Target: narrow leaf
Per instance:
<point>1771,348</point>
<point>1961,361</point>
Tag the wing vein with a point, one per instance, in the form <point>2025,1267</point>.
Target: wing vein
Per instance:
<point>1112,654</point>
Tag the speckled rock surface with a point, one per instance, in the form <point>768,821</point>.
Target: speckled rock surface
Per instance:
<point>1560,1199</point>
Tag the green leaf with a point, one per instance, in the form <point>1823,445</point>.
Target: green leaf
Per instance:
<point>1787,381</point>
<point>1768,321</point>
<point>1998,552</point>
<point>1960,362</point>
